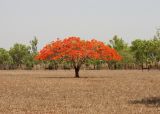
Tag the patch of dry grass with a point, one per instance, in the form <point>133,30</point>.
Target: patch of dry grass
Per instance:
<point>96,92</point>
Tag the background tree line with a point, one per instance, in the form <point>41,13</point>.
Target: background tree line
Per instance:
<point>19,56</point>
<point>140,54</point>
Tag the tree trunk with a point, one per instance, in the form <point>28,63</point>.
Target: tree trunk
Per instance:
<point>77,72</point>
<point>94,67</point>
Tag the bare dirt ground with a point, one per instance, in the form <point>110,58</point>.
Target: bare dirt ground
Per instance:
<point>96,92</point>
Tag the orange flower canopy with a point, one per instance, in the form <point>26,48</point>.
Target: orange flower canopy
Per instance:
<point>76,50</point>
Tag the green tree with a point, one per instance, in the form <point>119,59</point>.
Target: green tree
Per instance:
<point>144,51</point>
<point>96,63</point>
<point>156,47</point>
<point>29,60</point>
<point>34,44</point>
<point>18,53</point>
<point>118,43</point>
<point>5,59</point>
<point>124,50</point>
<point>138,49</point>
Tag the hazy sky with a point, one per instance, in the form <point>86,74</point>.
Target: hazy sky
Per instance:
<point>21,20</point>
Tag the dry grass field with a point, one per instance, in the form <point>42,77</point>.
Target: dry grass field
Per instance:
<point>96,92</point>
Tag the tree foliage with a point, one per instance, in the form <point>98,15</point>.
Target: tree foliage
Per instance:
<point>77,51</point>
<point>18,53</point>
<point>118,43</point>
<point>34,44</point>
<point>123,49</point>
<point>5,59</point>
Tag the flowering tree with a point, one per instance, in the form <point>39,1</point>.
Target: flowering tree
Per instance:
<point>77,51</point>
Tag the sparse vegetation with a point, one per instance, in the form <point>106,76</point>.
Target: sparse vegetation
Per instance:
<point>96,92</point>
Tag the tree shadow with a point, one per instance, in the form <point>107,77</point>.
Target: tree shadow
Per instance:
<point>151,101</point>
<point>50,77</point>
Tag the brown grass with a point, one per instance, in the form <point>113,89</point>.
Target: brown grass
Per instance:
<point>96,92</point>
